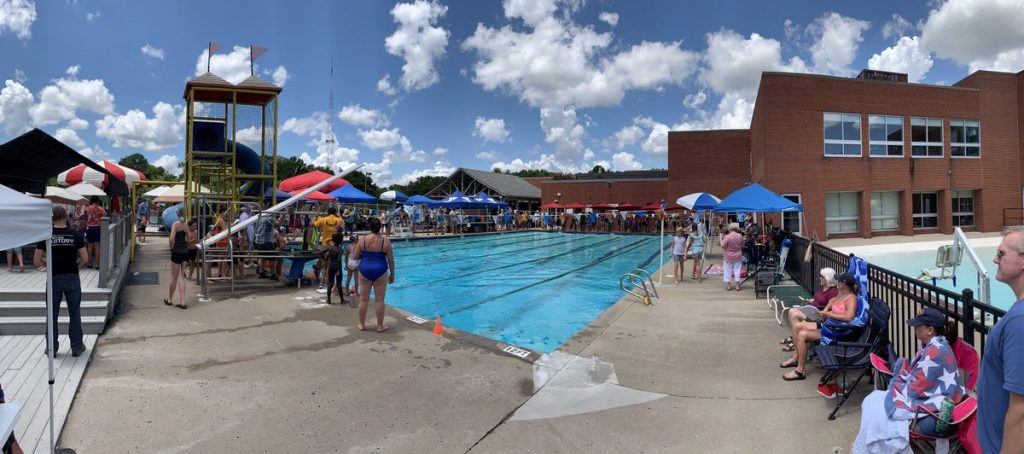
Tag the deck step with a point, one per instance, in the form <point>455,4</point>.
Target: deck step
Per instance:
<point>39,294</point>
<point>15,326</point>
<point>38,308</point>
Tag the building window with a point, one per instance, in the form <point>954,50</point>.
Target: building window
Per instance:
<point>965,138</point>
<point>885,211</point>
<point>886,135</point>
<point>963,208</point>
<point>791,221</point>
<point>925,137</point>
<point>842,134</point>
<point>841,212</point>
<point>926,210</point>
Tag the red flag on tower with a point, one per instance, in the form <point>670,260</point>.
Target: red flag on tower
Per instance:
<point>254,53</point>
<point>213,47</point>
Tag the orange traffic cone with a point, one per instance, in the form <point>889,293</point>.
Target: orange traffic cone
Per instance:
<point>438,329</point>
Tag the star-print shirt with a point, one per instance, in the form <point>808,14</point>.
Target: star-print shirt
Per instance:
<point>923,384</point>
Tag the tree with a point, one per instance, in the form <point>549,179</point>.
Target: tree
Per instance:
<point>153,173</point>
<point>291,166</point>
<point>598,169</point>
<point>419,186</point>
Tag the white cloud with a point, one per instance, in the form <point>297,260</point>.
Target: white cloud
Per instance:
<point>135,130</point>
<point>490,129</point>
<point>406,156</point>
<point>657,139</point>
<point>439,169</point>
<point>563,132</point>
<point>791,30</point>
<point>152,52</point>
<point>310,126</point>
<point>734,64</point>
<point>487,155</point>
<point>897,27</point>
<point>19,76</point>
<point>234,66</point>
<point>384,85</point>
<point>383,139</point>
<point>561,64</point>
<point>17,16</point>
<point>418,41</point>
<point>625,161</point>
<point>837,40</point>
<point>95,153</point>
<point>92,17</point>
<point>695,100</point>
<point>628,136</point>
<point>78,123</point>
<point>440,151</point>
<point>15,102</point>
<point>60,101</point>
<point>905,56</point>
<point>545,162</point>
<point>169,163</point>
<point>356,115</point>
<point>980,34</point>
<point>609,18</point>
<point>69,137</point>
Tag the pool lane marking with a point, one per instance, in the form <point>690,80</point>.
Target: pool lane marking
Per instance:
<point>468,245</point>
<point>542,241</point>
<point>597,261</point>
<point>539,260</point>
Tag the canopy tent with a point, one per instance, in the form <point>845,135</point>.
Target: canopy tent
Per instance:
<point>349,194</point>
<point>552,206</point>
<point>488,201</point>
<point>458,200</point>
<point>157,191</point>
<point>420,200</point>
<point>652,206</point>
<point>281,195</point>
<point>23,219</point>
<point>394,196</point>
<point>28,161</point>
<point>756,199</point>
<point>175,194</point>
<point>315,195</point>
<point>61,195</point>
<point>83,173</point>
<point>308,179</point>
<point>699,201</point>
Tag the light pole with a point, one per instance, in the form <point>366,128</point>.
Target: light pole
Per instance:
<point>367,178</point>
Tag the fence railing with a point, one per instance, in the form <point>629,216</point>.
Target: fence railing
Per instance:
<point>115,233</point>
<point>904,294</point>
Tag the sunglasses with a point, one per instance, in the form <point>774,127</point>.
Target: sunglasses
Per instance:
<point>1001,253</point>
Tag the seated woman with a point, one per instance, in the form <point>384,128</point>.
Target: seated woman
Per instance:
<point>917,390</point>
<point>809,312</point>
<point>836,321</point>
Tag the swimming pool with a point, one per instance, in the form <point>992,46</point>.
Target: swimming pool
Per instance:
<point>911,258</point>
<point>533,289</point>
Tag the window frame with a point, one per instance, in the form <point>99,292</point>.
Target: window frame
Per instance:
<point>953,208</point>
<point>915,215</point>
<point>884,217</point>
<point>840,219</point>
<point>887,143</point>
<point>963,124</point>
<point>844,141</point>
<point>928,143</point>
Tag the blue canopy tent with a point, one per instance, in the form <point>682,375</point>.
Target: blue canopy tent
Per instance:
<point>420,200</point>
<point>349,194</point>
<point>488,201</point>
<point>281,195</point>
<point>756,199</point>
<point>459,200</point>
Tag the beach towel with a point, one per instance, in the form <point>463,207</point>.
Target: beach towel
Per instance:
<point>878,433</point>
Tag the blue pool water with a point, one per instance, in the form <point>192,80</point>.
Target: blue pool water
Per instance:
<point>533,289</point>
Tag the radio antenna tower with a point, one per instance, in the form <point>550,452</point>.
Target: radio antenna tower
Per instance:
<point>329,146</point>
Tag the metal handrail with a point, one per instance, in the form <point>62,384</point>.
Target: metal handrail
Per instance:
<point>641,273</point>
<point>960,240</point>
<point>636,282</point>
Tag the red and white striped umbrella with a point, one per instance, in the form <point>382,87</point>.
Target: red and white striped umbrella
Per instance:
<point>82,172</point>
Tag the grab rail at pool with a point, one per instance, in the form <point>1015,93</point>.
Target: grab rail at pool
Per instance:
<point>636,282</point>
<point>960,240</point>
<point>644,274</point>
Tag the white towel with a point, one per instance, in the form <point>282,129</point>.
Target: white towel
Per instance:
<point>878,433</point>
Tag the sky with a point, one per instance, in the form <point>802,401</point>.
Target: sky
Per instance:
<point>423,87</point>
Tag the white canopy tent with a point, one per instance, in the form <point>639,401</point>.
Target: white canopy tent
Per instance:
<point>158,191</point>
<point>61,195</point>
<point>86,190</point>
<point>25,220</point>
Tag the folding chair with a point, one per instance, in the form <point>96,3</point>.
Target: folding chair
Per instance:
<point>840,357</point>
<point>782,298</point>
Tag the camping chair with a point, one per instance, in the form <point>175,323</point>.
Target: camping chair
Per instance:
<point>840,357</point>
<point>782,298</point>
<point>963,417</point>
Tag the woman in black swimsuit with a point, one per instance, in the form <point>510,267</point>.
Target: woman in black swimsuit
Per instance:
<point>334,256</point>
<point>179,254</point>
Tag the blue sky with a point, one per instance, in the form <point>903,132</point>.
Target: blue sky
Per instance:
<point>556,84</point>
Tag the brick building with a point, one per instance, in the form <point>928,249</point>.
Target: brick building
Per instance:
<point>866,156</point>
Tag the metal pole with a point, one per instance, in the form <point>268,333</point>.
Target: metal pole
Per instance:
<point>661,253</point>
<point>50,322</point>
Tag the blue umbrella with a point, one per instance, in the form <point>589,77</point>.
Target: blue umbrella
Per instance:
<point>698,201</point>
<point>758,199</point>
<point>418,199</point>
<point>349,194</point>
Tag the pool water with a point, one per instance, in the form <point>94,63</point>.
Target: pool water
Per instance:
<point>911,260</point>
<point>533,289</point>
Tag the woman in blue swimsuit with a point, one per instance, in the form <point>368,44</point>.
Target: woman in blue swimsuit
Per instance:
<point>376,258</point>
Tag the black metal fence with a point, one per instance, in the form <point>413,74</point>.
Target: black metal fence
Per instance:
<point>904,294</point>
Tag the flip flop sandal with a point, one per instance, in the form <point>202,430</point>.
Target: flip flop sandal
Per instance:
<point>786,364</point>
<point>789,348</point>
<point>798,376</point>
<point>788,340</point>
<point>167,302</point>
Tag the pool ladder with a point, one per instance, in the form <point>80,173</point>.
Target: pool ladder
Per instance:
<point>636,280</point>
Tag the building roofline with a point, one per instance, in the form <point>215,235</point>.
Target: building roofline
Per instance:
<point>709,131</point>
<point>850,79</point>
<point>603,181</point>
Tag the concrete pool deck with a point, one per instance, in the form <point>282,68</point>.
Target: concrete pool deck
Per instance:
<point>274,371</point>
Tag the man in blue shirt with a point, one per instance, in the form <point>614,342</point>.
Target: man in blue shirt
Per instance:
<point>1001,382</point>
<point>142,213</point>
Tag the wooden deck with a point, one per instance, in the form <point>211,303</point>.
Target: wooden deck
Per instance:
<point>23,373</point>
<point>32,279</point>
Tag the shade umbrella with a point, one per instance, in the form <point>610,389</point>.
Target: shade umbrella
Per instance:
<point>158,191</point>
<point>87,190</point>
<point>308,179</point>
<point>349,194</point>
<point>601,206</point>
<point>420,200</point>
<point>652,206</point>
<point>758,199</point>
<point>393,196</point>
<point>699,201</point>
<point>81,172</point>
<point>552,206</point>
<point>61,195</point>
<point>576,206</point>
<point>315,195</point>
<point>627,206</point>
<point>674,207</point>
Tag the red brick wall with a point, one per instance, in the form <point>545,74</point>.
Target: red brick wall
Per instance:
<point>536,181</point>
<point>717,162</point>
<point>793,157</point>
<point>639,192</point>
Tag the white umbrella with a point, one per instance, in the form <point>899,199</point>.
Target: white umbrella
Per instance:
<point>156,192</point>
<point>85,189</point>
<point>699,201</point>
<point>61,195</point>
